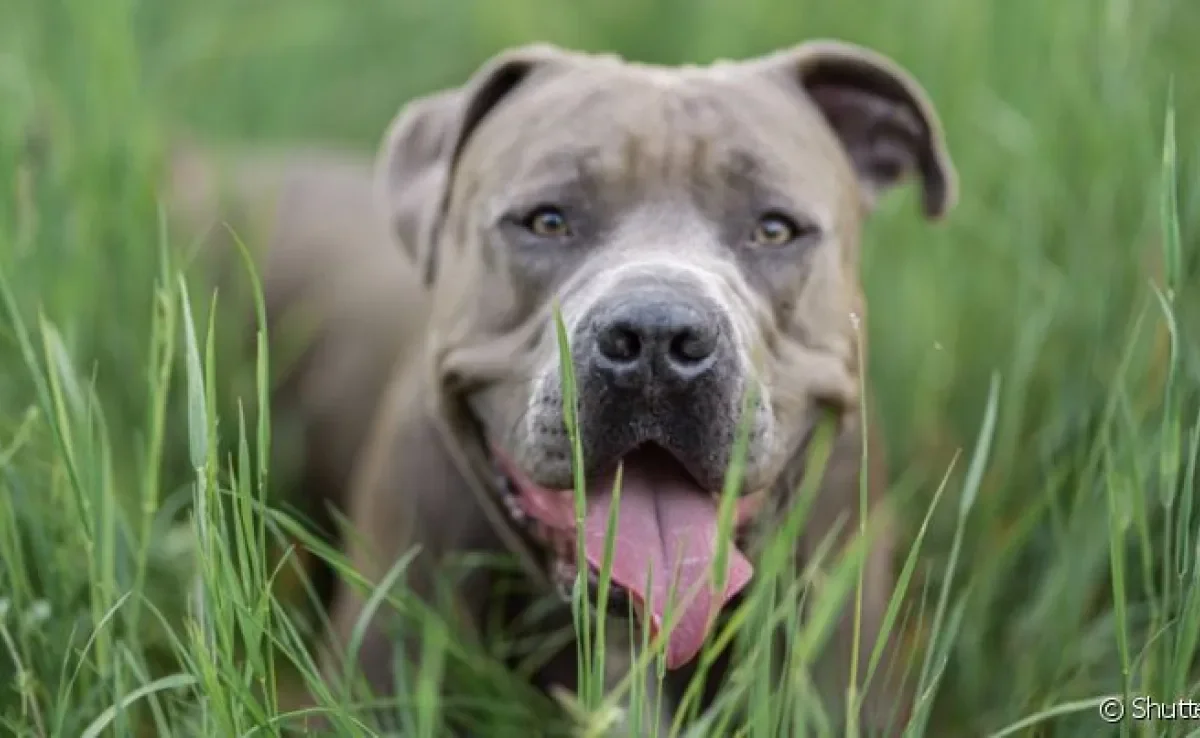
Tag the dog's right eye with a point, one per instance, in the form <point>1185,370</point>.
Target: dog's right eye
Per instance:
<point>777,229</point>
<point>547,221</point>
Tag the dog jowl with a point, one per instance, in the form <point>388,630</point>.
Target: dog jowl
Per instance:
<point>698,228</point>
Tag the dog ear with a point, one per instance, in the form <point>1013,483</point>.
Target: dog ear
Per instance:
<point>411,167</point>
<point>882,115</point>
<point>423,143</point>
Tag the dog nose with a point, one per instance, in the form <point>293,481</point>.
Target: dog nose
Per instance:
<point>669,340</point>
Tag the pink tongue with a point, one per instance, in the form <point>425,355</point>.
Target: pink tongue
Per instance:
<point>666,529</point>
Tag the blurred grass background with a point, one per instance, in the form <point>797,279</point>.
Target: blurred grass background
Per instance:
<point>1077,568</point>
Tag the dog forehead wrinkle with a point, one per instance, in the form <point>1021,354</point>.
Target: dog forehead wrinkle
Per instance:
<point>540,173</point>
<point>667,269</point>
<point>635,137</point>
<point>780,143</point>
<point>670,239</point>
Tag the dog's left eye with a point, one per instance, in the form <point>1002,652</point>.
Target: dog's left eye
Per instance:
<point>547,222</point>
<point>776,229</point>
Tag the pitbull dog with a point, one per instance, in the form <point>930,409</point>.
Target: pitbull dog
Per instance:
<point>341,300</point>
<point>699,230</point>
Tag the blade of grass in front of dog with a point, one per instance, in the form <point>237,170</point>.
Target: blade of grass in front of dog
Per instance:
<point>640,635</point>
<point>1118,522</point>
<point>603,586</point>
<point>727,503</point>
<point>1169,213</point>
<point>905,577</point>
<point>95,506</point>
<point>654,647</point>
<point>370,606</point>
<point>262,359</point>
<point>864,486</point>
<point>220,556</point>
<point>65,461</point>
<point>222,601</point>
<point>263,427</point>
<point>974,478</point>
<point>46,402</point>
<point>937,656</point>
<point>1124,496</point>
<point>570,421</point>
<point>34,368</point>
<point>250,501</point>
<point>102,721</point>
<point>161,366</point>
<point>1186,566</point>
<point>675,603</point>
<point>141,675</point>
<point>725,514</point>
<point>233,564</point>
<point>731,489</point>
<point>255,614</point>
<point>1171,441</point>
<point>244,530</point>
<point>789,610</point>
<point>1172,447</point>
<point>197,410</point>
<point>757,614</point>
<point>1025,724</point>
<point>829,601</point>
<point>427,700</point>
<point>201,627</point>
<point>650,653</point>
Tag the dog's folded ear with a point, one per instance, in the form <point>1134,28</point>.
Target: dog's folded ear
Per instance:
<point>882,115</point>
<point>415,165</point>
<point>411,168</point>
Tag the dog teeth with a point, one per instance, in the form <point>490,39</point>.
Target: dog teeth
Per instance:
<point>564,569</point>
<point>508,494</point>
<point>564,578</point>
<point>514,509</point>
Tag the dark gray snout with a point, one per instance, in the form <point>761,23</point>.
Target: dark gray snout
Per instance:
<point>657,364</point>
<point>655,339</point>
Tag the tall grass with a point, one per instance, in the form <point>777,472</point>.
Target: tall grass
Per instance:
<point>1034,359</point>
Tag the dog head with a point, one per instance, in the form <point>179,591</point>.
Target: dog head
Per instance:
<point>697,228</point>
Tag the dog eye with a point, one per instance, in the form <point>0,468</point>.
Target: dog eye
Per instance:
<point>547,222</point>
<point>776,229</point>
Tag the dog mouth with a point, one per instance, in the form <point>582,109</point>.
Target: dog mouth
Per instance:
<point>664,548</point>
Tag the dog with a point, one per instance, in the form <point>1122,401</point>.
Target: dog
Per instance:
<point>341,300</point>
<point>698,230</point>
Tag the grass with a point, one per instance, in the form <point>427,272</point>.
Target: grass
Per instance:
<point>1034,358</point>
